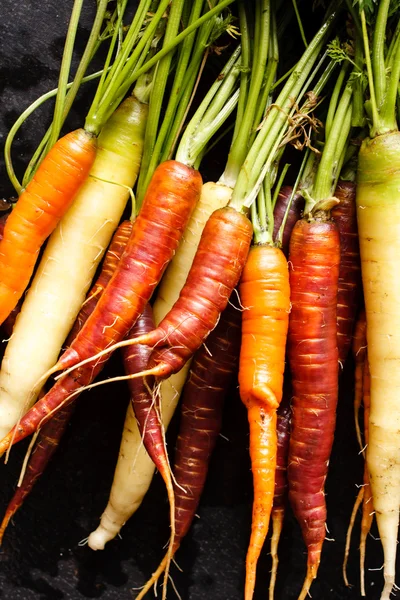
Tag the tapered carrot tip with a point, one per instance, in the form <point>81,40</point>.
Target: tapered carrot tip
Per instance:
<point>156,575</point>
<point>4,524</point>
<point>5,443</point>
<point>312,569</point>
<point>277,523</point>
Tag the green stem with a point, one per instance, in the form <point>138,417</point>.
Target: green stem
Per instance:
<point>139,18</point>
<point>90,50</point>
<point>178,83</point>
<point>245,65</point>
<point>279,184</point>
<point>335,98</point>
<point>358,114</point>
<point>374,108</point>
<point>132,77</point>
<point>300,24</point>
<point>184,148</point>
<point>378,52</point>
<point>64,73</point>
<point>202,138</point>
<point>270,73</point>
<point>185,103</point>
<point>20,121</point>
<point>179,38</point>
<point>324,180</point>
<point>239,147</point>
<point>260,155</point>
<point>388,112</point>
<point>156,100</point>
<point>118,82</point>
<point>279,237</point>
<point>342,147</point>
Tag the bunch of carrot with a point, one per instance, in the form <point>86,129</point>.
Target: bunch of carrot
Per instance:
<point>206,282</point>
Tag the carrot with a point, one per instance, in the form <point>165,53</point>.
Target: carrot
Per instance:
<point>359,354</point>
<point>378,218</point>
<point>39,209</point>
<point>52,432</point>
<point>367,507</point>
<point>70,260</point>
<point>169,201</point>
<point>111,260</point>
<point>264,292</point>
<point>378,215</point>
<point>211,374</point>
<point>313,355</point>
<point>148,416</point>
<point>284,416</point>
<point>345,215</point>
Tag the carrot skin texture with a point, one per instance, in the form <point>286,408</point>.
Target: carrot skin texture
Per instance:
<point>349,287</point>
<point>213,368</point>
<point>265,296</point>
<point>38,210</point>
<point>111,260</point>
<point>136,358</point>
<point>378,214</point>
<point>215,272</point>
<point>170,198</point>
<point>294,215</point>
<point>312,348</point>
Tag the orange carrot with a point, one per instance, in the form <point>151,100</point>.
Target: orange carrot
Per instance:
<point>38,210</point>
<point>265,295</point>
<point>313,354</point>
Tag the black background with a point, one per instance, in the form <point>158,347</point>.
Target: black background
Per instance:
<point>41,557</point>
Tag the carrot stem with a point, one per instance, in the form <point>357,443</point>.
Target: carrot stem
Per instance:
<point>375,114</point>
<point>64,73</point>
<point>378,52</point>
<point>175,93</point>
<point>156,100</point>
<point>20,121</point>
<point>239,148</point>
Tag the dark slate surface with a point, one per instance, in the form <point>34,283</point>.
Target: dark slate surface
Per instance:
<point>41,558</point>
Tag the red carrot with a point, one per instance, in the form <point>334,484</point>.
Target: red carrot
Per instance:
<point>52,432</point>
<point>111,260</point>
<point>313,354</point>
<point>170,198</point>
<point>349,287</point>
<point>211,374</point>
<point>216,269</point>
<point>284,416</point>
